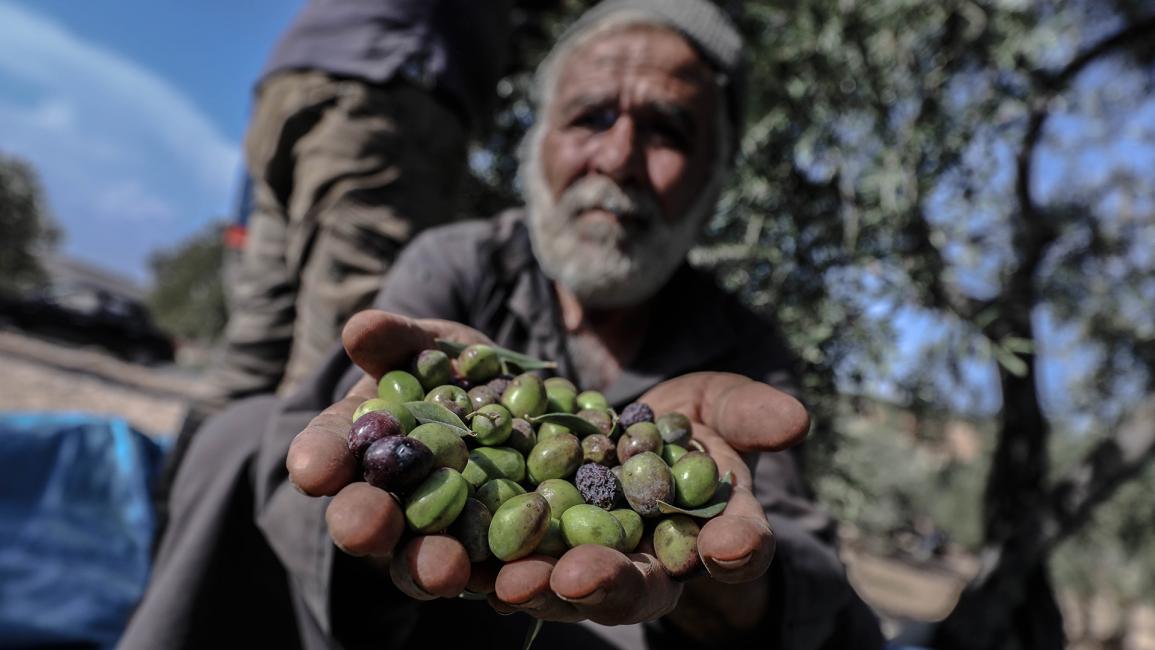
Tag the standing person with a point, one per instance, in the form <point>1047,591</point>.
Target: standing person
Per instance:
<point>357,142</point>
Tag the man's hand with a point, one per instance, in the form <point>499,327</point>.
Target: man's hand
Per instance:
<point>731,415</point>
<point>364,520</point>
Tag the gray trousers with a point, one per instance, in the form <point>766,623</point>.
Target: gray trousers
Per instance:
<point>344,173</point>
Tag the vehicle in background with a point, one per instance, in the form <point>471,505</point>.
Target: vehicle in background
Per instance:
<point>86,305</point>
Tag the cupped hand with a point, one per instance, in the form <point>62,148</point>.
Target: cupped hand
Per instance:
<point>364,520</point>
<point>731,415</point>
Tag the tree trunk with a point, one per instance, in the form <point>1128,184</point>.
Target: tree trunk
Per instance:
<point>1011,598</point>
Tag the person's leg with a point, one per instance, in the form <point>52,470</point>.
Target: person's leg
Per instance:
<point>384,163</point>
<point>215,583</point>
<point>262,308</point>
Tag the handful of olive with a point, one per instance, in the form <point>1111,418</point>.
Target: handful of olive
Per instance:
<point>512,465</point>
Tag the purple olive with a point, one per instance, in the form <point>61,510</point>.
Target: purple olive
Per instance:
<point>397,463</point>
<point>371,427</point>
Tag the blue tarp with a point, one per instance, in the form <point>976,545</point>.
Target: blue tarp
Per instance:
<point>76,526</point>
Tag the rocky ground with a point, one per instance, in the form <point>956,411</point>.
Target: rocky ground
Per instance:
<point>37,375</point>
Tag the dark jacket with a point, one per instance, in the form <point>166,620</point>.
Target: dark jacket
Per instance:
<point>457,48</point>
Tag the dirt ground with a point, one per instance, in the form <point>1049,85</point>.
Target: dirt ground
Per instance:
<point>41,375</point>
<point>37,375</point>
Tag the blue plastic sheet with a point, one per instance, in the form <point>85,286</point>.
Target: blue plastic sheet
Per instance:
<point>76,527</point>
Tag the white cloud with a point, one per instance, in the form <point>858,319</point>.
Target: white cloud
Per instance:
<point>88,82</point>
<point>131,201</point>
<point>129,162</point>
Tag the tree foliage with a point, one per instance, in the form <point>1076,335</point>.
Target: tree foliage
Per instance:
<point>188,296</point>
<point>979,165</point>
<point>26,228</point>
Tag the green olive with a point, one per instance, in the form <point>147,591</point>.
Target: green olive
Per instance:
<point>448,448</point>
<point>558,457</point>
<point>471,528</point>
<point>493,425</point>
<point>646,479</point>
<point>589,524</point>
<point>561,395</point>
<point>695,479</point>
<point>437,501</point>
<point>399,387</point>
<point>479,363</point>
<point>592,399</point>
<point>451,397</point>
<point>631,523</point>
<point>676,545</point>
<point>525,396</point>
<point>561,495</point>
<point>498,491</point>
<point>518,526</point>
<point>432,369</point>
<point>498,462</point>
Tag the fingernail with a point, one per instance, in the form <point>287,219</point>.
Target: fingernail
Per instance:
<point>731,564</point>
<point>595,597</point>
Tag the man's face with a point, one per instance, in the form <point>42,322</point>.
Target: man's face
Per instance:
<point>622,171</point>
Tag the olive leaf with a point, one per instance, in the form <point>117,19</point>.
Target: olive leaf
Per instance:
<point>472,595</point>
<point>507,356</point>
<point>570,421</point>
<point>531,635</point>
<point>717,504</point>
<point>426,412</point>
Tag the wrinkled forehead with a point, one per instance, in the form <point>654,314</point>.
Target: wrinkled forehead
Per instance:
<point>636,53</point>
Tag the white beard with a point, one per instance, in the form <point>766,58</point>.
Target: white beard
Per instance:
<point>608,264</point>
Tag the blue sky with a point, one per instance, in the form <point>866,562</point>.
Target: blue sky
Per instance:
<point>133,113</point>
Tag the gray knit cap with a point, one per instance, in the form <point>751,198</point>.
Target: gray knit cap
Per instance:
<point>704,25</point>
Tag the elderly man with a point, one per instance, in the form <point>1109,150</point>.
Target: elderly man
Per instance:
<point>639,115</point>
